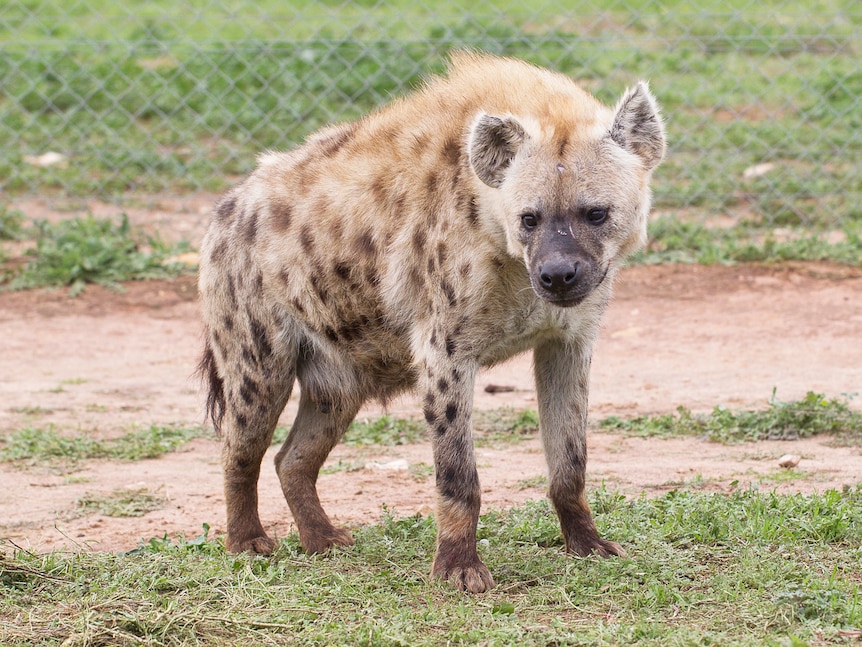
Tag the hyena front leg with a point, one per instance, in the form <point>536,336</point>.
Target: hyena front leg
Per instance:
<point>316,430</point>
<point>448,402</point>
<point>562,384</point>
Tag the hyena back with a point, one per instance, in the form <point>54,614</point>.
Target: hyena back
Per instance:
<point>482,216</point>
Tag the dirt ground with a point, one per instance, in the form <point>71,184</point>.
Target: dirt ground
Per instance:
<point>108,362</point>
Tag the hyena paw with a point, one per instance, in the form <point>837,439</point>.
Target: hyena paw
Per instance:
<point>262,545</point>
<point>600,547</point>
<point>474,577</point>
<point>320,542</point>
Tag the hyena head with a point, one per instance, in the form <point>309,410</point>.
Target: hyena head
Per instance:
<point>573,197</point>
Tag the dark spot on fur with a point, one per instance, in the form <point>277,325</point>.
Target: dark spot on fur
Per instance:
<point>419,239</point>
<point>342,271</point>
<point>364,244</point>
<point>377,188</point>
<point>282,215</point>
<point>433,340</point>
<point>372,276</point>
<point>258,334</point>
<point>306,239</point>
<point>430,416</point>
<point>419,143</point>
<point>297,304</point>
<point>331,335</point>
<point>399,203</point>
<point>319,288</point>
<point>449,291</point>
<point>574,459</point>
<point>442,385</point>
<point>218,252</point>
<point>228,322</point>
<point>473,212</point>
<point>465,269</point>
<point>441,253</point>
<point>429,397</point>
<point>241,420</point>
<point>457,482</point>
<point>441,430</point>
<point>456,375</point>
<point>452,152</point>
<point>258,283</point>
<point>231,292</point>
<point>431,265</point>
<point>250,227</point>
<point>335,142</point>
<point>431,181</point>
<point>250,384</point>
<point>450,346</point>
<point>350,332</point>
<point>249,390</point>
<point>284,276</point>
<point>248,355</point>
<point>451,412</point>
<point>225,208</point>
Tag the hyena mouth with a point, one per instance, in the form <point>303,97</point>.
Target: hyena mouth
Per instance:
<point>571,297</point>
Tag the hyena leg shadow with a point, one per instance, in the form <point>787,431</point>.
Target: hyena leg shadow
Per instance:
<point>255,380</point>
<point>316,430</point>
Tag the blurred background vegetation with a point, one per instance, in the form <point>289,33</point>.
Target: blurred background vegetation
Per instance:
<point>114,100</point>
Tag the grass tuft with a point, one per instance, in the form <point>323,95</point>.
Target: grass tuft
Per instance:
<point>79,251</point>
<point>34,446</point>
<point>123,502</point>
<point>675,241</point>
<point>812,415</point>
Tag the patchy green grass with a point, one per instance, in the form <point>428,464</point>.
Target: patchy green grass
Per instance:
<point>493,426</point>
<point>122,502</point>
<point>814,414</point>
<point>750,568</point>
<point>38,446</point>
<point>504,426</point>
<point>675,241</point>
<point>79,251</point>
<point>11,223</point>
<point>385,430</point>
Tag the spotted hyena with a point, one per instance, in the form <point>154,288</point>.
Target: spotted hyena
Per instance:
<point>484,215</point>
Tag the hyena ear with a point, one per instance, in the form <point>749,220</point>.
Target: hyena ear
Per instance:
<point>493,143</point>
<point>638,126</point>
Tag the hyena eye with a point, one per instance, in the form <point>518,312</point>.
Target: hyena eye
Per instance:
<point>529,220</point>
<point>597,216</point>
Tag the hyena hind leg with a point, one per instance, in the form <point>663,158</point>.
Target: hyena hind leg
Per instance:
<point>247,397</point>
<point>315,432</point>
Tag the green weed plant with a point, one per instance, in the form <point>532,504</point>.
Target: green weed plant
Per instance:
<point>814,414</point>
<point>79,251</point>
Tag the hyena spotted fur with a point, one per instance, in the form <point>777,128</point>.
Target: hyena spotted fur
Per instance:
<point>484,215</point>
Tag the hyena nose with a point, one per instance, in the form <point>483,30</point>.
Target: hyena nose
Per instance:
<point>557,276</point>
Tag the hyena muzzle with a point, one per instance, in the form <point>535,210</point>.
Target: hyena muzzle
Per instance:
<point>482,216</point>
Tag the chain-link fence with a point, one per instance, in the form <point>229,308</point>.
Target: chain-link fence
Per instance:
<point>105,98</point>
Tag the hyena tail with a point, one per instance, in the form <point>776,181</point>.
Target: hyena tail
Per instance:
<point>215,405</point>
